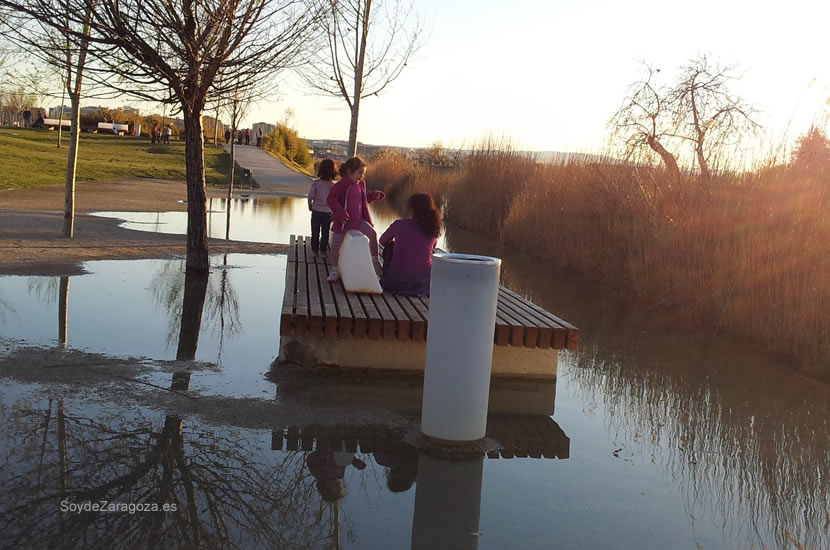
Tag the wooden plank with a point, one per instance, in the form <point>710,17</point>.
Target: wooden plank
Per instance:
<point>307,439</point>
<point>373,318</point>
<point>345,319</point>
<point>416,322</point>
<point>517,336</point>
<point>292,439</point>
<point>572,333</point>
<point>301,309</point>
<point>276,439</point>
<point>501,336</point>
<point>289,299</point>
<point>404,324</point>
<point>544,326</point>
<point>389,320</point>
<point>292,248</point>
<point>530,326</point>
<point>328,303</point>
<point>315,306</point>
<point>419,326</point>
<point>359,319</point>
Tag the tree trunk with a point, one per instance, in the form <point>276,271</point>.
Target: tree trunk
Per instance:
<point>195,289</point>
<point>668,159</point>
<point>63,307</point>
<point>701,160</point>
<point>71,165</point>
<point>363,25</point>
<point>197,235</point>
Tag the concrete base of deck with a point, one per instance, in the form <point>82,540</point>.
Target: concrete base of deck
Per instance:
<point>309,350</point>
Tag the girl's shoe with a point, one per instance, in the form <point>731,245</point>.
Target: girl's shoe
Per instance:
<point>334,276</point>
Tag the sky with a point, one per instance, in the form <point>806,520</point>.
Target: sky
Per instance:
<point>548,74</point>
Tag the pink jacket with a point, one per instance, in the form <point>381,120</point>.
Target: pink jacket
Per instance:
<point>337,202</point>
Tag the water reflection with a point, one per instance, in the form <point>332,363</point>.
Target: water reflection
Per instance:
<point>745,441</point>
<point>218,487</point>
<point>154,309</point>
<point>260,219</point>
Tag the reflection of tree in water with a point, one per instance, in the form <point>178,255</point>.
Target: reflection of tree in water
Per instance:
<point>747,443</point>
<point>229,491</point>
<point>220,311</point>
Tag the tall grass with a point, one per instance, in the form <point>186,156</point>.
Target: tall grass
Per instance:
<point>746,252</point>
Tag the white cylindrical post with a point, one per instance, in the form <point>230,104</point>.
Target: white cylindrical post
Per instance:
<point>462,319</point>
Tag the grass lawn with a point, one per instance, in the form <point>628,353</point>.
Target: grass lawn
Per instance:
<point>29,158</point>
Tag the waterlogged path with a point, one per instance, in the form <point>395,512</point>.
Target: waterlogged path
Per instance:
<point>669,437</point>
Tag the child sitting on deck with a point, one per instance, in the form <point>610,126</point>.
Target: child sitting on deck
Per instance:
<point>408,246</point>
<point>349,203</point>
<point>320,211</point>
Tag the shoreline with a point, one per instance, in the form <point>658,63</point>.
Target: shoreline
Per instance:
<point>30,235</point>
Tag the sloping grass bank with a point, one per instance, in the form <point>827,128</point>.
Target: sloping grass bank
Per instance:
<point>745,253</point>
<point>31,158</point>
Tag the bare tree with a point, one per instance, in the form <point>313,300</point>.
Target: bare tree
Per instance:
<point>182,54</point>
<point>353,66</point>
<point>706,113</point>
<point>644,121</point>
<point>699,110</point>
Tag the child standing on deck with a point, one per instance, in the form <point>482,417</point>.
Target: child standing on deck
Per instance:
<point>349,203</point>
<point>320,211</point>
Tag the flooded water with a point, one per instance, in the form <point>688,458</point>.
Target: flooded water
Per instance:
<point>663,437</point>
<point>262,219</point>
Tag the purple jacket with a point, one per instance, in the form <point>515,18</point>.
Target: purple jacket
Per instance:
<point>337,202</point>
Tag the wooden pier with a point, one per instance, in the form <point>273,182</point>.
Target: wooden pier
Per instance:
<point>322,324</point>
<point>521,436</point>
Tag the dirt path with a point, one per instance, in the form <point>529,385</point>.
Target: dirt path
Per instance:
<point>31,222</point>
<point>273,177</point>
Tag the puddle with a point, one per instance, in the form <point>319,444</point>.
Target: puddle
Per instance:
<point>661,438</point>
<point>135,309</point>
<point>256,219</point>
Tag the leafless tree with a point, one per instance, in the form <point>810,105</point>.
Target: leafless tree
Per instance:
<point>44,29</point>
<point>644,120</point>
<point>184,53</point>
<point>698,110</point>
<point>352,65</point>
<point>706,113</point>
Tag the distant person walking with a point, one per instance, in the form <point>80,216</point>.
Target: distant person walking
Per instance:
<point>259,137</point>
<point>239,136</point>
<point>27,118</point>
<point>247,136</point>
<point>408,246</point>
<point>227,136</point>
<point>154,132</point>
<point>320,211</point>
<point>166,132</point>
<point>349,203</point>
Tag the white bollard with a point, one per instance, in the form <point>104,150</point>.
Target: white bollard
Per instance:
<point>462,319</point>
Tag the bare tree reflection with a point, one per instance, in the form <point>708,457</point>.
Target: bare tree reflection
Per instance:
<point>63,307</point>
<point>226,493</point>
<point>193,302</point>
<point>218,314</point>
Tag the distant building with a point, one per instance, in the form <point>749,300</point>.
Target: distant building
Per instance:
<point>55,112</point>
<point>266,128</point>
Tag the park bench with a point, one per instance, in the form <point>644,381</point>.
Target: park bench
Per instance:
<point>55,122</point>
<point>117,127</point>
<point>322,324</point>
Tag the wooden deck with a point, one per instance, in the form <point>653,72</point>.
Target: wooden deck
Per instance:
<point>521,436</point>
<point>312,306</point>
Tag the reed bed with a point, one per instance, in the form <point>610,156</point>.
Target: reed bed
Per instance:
<point>746,253</point>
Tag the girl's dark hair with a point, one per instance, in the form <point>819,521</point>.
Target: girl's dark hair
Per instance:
<point>426,214</point>
<point>326,170</point>
<point>351,165</point>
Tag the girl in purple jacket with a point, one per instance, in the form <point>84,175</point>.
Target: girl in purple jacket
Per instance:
<point>349,203</point>
<point>408,246</point>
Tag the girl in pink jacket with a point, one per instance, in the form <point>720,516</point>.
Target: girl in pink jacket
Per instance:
<point>349,203</point>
